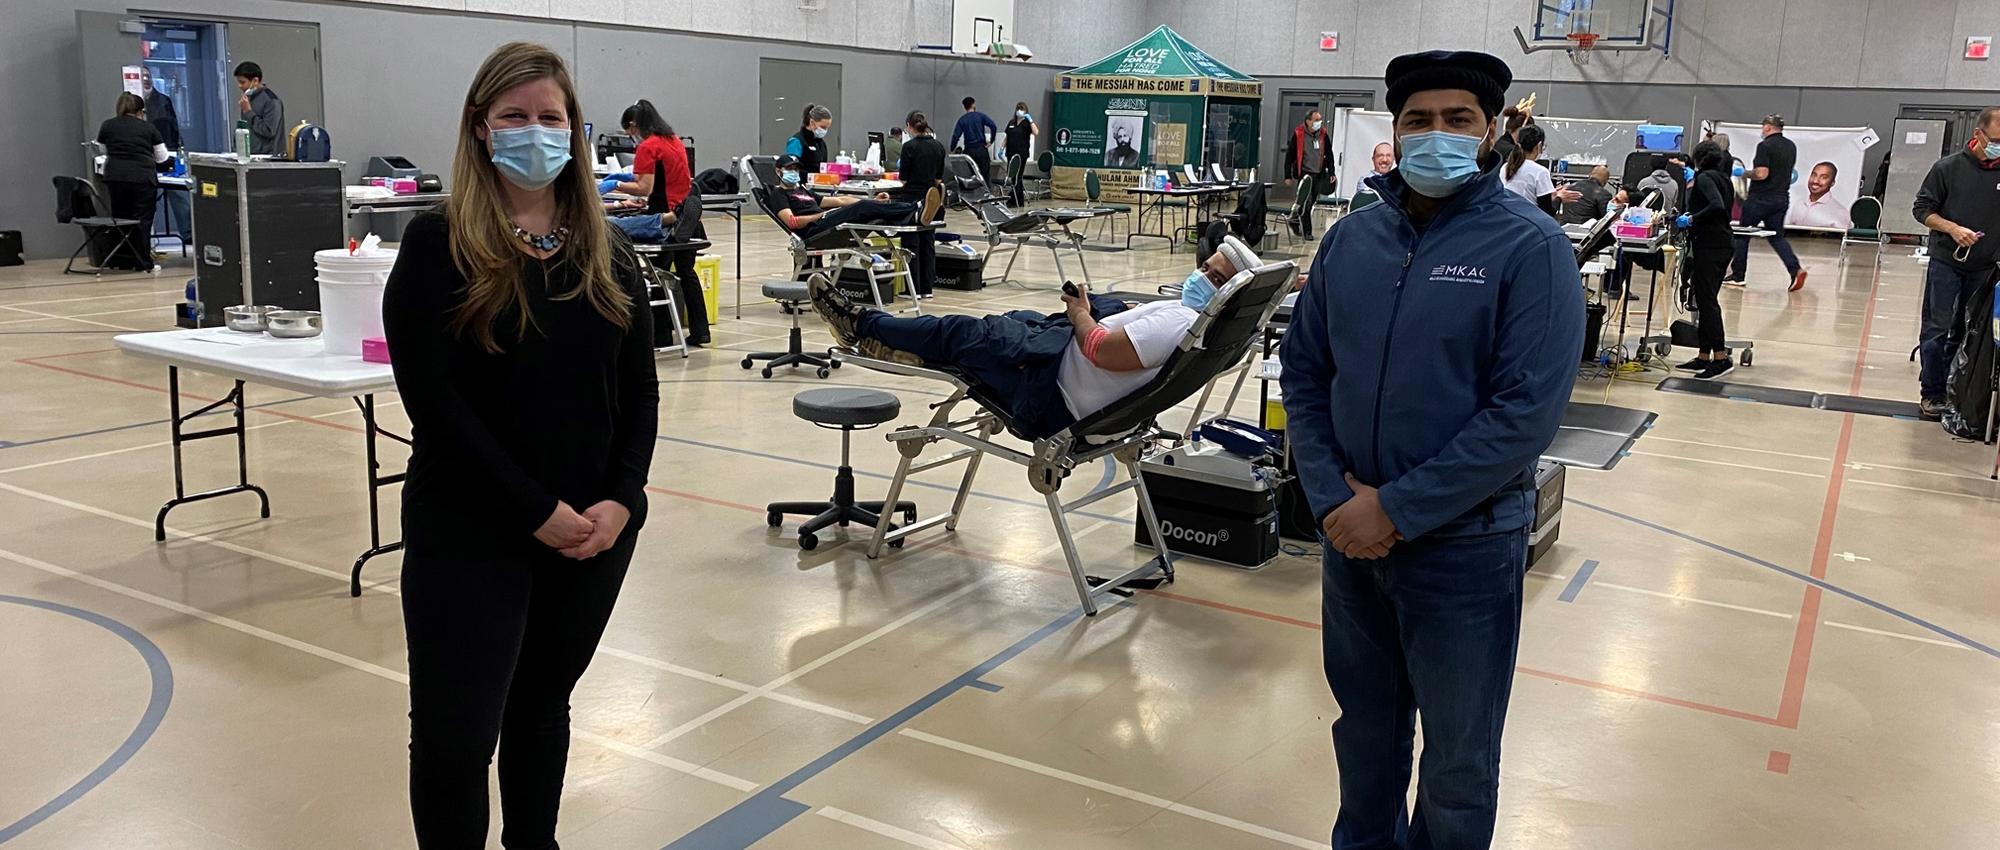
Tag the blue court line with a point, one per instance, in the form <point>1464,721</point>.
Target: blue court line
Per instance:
<point>876,475</point>
<point>768,810</point>
<point>1822,584</point>
<point>1576,582</point>
<point>988,687</point>
<point>1110,472</point>
<point>220,411</point>
<point>162,696</point>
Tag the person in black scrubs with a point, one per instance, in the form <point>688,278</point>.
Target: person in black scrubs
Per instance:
<point>524,355</point>
<point>133,155</point>
<point>809,143</point>
<point>1711,247</point>
<point>1020,134</point>
<point>922,172</point>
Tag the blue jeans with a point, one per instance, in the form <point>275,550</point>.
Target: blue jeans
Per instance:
<point>644,228</point>
<point>1012,356</point>
<point>1946,288</point>
<point>1433,628</point>
<point>1768,215</point>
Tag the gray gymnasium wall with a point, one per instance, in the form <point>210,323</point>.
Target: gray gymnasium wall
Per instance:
<point>395,77</point>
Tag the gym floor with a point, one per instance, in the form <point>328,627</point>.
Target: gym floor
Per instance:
<point>1768,627</point>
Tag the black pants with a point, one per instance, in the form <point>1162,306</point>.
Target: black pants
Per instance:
<point>1706,265</point>
<point>869,211</point>
<point>982,159</point>
<point>497,642</point>
<point>691,298</point>
<point>135,201</point>
<point>923,261</point>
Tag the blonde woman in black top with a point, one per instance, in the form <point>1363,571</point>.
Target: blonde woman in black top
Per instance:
<point>133,154</point>
<point>523,351</point>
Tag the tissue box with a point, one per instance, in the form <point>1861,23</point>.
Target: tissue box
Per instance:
<point>375,349</point>
<point>826,178</point>
<point>843,170</point>
<point>403,185</point>
<point>1628,230</point>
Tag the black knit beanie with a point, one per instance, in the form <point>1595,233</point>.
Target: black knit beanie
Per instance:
<point>1482,74</point>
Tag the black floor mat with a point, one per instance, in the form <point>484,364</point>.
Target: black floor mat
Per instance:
<point>1792,398</point>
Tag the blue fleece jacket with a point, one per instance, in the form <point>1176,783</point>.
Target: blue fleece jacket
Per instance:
<point>1434,364</point>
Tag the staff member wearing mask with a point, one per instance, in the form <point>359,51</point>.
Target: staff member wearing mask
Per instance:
<point>133,154</point>
<point>809,143</point>
<point>922,173</point>
<point>524,352</point>
<point>973,134</point>
<point>1310,156</point>
<point>661,175</point>
<point>1769,197</point>
<point>1958,203</point>
<point>1530,179</point>
<point>1711,246</point>
<point>1453,310</point>
<point>262,109</point>
<point>1020,135</point>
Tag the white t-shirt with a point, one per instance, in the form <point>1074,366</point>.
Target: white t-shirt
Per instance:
<point>1155,330</point>
<point>1531,182</point>
<point>1825,212</point>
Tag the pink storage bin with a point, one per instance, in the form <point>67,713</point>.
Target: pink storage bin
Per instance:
<point>375,350</point>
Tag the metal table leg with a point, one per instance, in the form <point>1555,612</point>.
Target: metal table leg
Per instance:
<point>242,485</point>
<point>738,215</point>
<point>376,481</point>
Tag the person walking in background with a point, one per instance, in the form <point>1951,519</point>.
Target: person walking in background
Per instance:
<point>262,110</point>
<point>1427,367</point>
<point>1711,247</point>
<point>1769,197</point>
<point>1020,143</point>
<point>133,155</point>
<point>160,111</point>
<point>1309,156</point>
<point>524,353</point>
<point>974,134</point>
<point>1958,203</point>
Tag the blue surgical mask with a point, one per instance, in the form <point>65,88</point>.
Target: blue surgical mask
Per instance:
<point>1439,163</point>
<point>530,157</point>
<point>1993,150</point>
<point>819,132</point>
<point>1197,291</point>
<point>791,178</point>
<point>1021,113</point>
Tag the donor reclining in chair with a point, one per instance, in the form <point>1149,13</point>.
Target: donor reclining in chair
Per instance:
<point>810,215</point>
<point>1054,368</point>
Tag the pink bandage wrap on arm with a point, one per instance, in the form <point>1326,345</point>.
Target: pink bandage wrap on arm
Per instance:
<point>1090,343</point>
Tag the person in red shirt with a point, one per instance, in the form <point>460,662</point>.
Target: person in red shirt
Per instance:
<point>662,177</point>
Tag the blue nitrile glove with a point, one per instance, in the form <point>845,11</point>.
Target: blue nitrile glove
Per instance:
<point>1683,221</point>
<point>1736,172</point>
<point>1687,173</point>
<point>610,182</point>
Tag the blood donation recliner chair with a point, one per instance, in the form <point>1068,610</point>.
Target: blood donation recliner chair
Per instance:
<point>1007,230</point>
<point>1218,341</point>
<point>848,246</point>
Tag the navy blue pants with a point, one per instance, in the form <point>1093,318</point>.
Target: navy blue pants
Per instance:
<point>1429,631</point>
<point>1013,355</point>
<point>1946,289</point>
<point>1769,215</point>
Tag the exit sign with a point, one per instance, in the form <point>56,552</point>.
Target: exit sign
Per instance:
<point>1329,41</point>
<point>1978,47</point>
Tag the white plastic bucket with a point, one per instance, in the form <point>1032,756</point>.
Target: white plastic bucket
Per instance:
<point>350,297</point>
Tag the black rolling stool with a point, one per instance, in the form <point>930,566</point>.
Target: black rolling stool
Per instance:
<point>792,295</point>
<point>847,410</point>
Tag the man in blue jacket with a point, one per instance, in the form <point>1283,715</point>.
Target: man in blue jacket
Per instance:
<point>1426,368</point>
<point>976,132</point>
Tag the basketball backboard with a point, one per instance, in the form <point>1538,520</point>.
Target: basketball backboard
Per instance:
<point>977,24</point>
<point>1616,25</point>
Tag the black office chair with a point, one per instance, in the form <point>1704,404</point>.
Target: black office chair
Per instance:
<point>792,295</point>
<point>77,202</point>
<point>844,409</point>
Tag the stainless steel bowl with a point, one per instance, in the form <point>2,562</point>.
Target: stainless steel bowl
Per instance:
<point>249,320</point>
<point>292,324</point>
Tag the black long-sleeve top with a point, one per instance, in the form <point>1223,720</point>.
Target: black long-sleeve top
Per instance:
<point>921,168</point>
<point>1956,188</point>
<point>568,412</point>
<point>1709,200</point>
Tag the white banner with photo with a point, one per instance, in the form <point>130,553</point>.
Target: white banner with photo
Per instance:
<point>1833,152</point>
<point>1356,133</point>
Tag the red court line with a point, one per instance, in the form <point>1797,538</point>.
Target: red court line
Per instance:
<point>1791,701</point>
<point>31,361</point>
<point>1779,762</point>
<point>1607,687</point>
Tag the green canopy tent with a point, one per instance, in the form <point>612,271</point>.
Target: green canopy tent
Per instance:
<point>1158,102</point>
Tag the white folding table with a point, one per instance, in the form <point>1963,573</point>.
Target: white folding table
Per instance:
<point>299,365</point>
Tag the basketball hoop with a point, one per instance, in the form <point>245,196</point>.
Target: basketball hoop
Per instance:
<point>1580,46</point>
